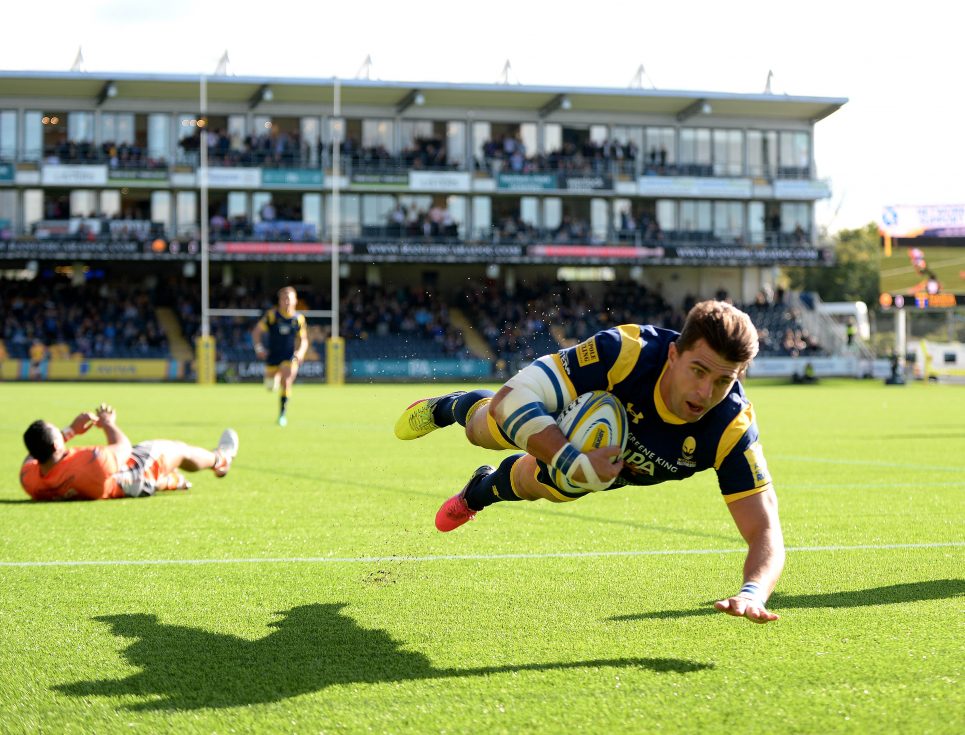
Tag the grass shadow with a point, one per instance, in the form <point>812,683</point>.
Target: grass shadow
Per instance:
<point>937,589</point>
<point>312,647</point>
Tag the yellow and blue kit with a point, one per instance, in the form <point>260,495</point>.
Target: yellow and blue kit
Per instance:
<point>282,335</point>
<point>629,361</point>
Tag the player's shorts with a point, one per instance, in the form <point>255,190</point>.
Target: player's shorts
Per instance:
<point>276,360</point>
<point>149,465</point>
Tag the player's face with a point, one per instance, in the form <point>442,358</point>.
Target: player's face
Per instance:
<point>286,302</point>
<point>58,440</point>
<point>697,380</point>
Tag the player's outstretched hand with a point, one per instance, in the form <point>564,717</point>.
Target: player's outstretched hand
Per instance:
<point>741,607</point>
<point>105,414</point>
<point>83,422</point>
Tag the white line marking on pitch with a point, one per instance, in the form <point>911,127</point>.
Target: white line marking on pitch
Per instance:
<point>459,557</point>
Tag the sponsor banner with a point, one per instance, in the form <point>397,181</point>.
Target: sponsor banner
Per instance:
<point>801,189</point>
<point>50,249</point>
<point>595,252</point>
<point>439,252</point>
<point>526,182</point>
<point>439,180</point>
<point>282,229</point>
<point>108,370</point>
<point>377,179</point>
<point>824,367</point>
<point>183,180</point>
<point>694,186</point>
<point>252,371</point>
<point>137,174</point>
<point>587,182</point>
<point>294,177</point>
<point>27,178</point>
<point>923,221</point>
<point>6,172</point>
<point>277,248</point>
<point>418,369</point>
<point>734,253</point>
<point>233,178</point>
<point>483,184</point>
<point>70,175</point>
<point>627,188</point>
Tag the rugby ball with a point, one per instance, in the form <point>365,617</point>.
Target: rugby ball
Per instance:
<point>595,419</point>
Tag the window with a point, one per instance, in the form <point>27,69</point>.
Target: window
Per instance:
<point>795,155</point>
<point>481,132</point>
<point>80,127</point>
<point>456,143</point>
<point>794,215</point>
<point>310,129</point>
<point>159,136</point>
<point>728,220</point>
<point>414,130</point>
<point>661,150</point>
<point>695,216</point>
<point>33,135</point>
<point>161,207</point>
<point>762,153</point>
<point>667,214</point>
<point>8,135</point>
<point>379,134</point>
<point>695,151</point>
<point>728,153</point>
<point>376,209</point>
<point>117,128</point>
<point>552,137</point>
<point>482,216</point>
<point>552,212</point>
<point>755,222</point>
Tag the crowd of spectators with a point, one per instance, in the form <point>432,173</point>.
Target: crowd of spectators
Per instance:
<point>405,221</point>
<point>123,155</point>
<point>516,325</point>
<point>423,154</point>
<point>414,314</point>
<point>53,316</point>
<point>508,154</point>
<point>272,149</point>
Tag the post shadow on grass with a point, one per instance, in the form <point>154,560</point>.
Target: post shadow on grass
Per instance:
<point>311,648</point>
<point>936,589</point>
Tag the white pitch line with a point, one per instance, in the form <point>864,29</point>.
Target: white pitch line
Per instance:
<point>459,557</point>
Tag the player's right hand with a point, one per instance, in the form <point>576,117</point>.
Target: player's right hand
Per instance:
<point>606,463</point>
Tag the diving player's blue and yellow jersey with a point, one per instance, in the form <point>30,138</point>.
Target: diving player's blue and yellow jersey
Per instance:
<point>629,361</point>
<point>283,334</point>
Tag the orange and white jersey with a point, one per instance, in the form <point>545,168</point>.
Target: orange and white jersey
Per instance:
<point>85,473</point>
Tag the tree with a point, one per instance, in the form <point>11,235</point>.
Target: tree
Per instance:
<point>855,273</point>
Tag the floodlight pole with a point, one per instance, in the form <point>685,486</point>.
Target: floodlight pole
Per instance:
<point>336,203</point>
<point>203,176</point>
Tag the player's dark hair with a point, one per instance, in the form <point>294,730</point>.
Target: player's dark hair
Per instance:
<point>727,330</point>
<point>286,288</point>
<point>39,439</point>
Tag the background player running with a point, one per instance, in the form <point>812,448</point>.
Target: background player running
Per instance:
<point>53,472</point>
<point>287,338</point>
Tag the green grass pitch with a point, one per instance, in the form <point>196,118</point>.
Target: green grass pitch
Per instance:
<point>309,592</point>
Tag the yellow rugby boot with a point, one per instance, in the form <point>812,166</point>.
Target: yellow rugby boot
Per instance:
<point>417,419</point>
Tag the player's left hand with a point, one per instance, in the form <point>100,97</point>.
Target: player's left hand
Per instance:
<point>742,607</point>
<point>83,422</point>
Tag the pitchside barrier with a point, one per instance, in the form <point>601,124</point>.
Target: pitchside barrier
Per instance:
<point>361,371</point>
